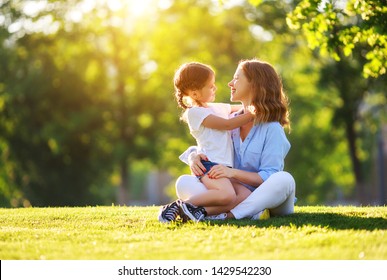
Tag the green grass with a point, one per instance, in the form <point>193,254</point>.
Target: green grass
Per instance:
<point>116,233</point>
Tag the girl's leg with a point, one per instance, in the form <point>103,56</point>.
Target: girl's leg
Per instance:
<point>241,194</point>
<point>276,194</point>
<point>188,186</point>
<point>220,193</point>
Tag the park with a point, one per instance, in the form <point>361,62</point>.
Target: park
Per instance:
<point>90,133</point>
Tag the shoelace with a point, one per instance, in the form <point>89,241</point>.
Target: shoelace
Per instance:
<point>198,213</point>
<point>172,211</point>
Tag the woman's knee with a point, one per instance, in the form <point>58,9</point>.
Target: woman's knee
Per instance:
<point>284,180</point>
<point>286,188</point>
<point>288,178</point>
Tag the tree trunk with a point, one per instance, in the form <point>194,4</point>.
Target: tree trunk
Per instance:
<point>360,193</point>
<point>123,191</point>
<point>351,92</point>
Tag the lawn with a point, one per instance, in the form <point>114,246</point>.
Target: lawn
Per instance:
<point>134,233</point>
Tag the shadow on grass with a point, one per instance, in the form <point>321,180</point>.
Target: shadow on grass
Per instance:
<point>329,220</point>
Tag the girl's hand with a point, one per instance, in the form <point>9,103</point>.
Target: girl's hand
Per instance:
<point>220,171</point>
<point>195,164</point>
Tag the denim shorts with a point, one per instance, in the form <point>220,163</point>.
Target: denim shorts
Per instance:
<point>207,164</point>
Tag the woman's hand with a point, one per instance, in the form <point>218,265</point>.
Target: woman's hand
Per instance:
<point>220,171</point>
<point>195,164</point>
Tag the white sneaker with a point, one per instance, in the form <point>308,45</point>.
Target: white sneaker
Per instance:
<point>221,216</point>
<point>261,215</point>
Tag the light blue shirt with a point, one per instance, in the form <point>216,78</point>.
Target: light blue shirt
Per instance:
<point>263,151</point>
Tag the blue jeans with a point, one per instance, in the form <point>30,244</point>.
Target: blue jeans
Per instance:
<point>207,164</point>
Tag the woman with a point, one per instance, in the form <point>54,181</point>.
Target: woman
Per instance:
<point>259,152</point>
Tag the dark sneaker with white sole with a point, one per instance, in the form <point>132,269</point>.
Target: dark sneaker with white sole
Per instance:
<point>195,213</point>
<point>170,212</point>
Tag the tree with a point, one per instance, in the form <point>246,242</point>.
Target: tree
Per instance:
<point>94,89</point>
<point>51,121</point>
<point>80,91</point>
<point>355,37</point>
<point>339,30</point>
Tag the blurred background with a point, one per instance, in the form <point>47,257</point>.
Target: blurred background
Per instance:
<point>88,116</point>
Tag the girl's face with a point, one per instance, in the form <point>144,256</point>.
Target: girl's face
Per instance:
<point>207,93</point>
<point>240,87</point>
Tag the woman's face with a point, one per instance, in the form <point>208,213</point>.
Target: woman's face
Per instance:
<point>240,87</point>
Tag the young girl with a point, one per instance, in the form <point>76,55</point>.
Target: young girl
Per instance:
<point>209,124</point>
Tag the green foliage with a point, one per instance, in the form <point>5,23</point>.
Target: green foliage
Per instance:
<point>134,233</point>
<point>94,93</point>
<point>354,35</point>
<point>335,29</point>
<point>312,113</point>
<point>49,132</point>
<point>316,144</point>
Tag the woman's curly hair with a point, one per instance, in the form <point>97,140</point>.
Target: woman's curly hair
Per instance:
<point>269,100</point>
